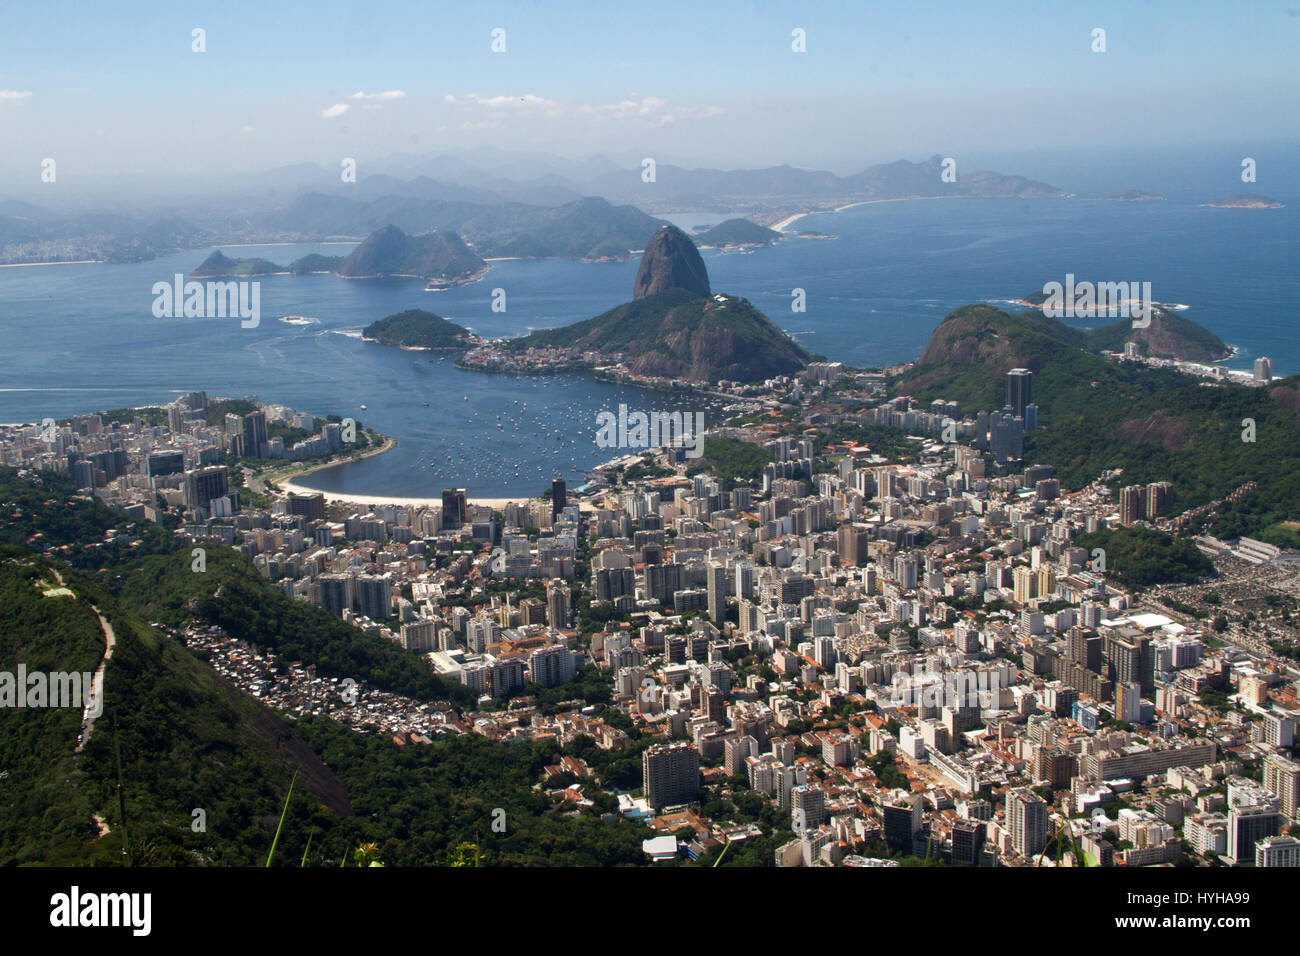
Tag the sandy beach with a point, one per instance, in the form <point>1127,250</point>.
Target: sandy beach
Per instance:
<point>785,223</point>
<point>62,262</point>
<point>288,487</point>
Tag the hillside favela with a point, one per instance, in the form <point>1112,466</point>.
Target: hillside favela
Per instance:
<point>517,465</point>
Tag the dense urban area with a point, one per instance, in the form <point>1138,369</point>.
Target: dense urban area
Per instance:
<point>857,631</point>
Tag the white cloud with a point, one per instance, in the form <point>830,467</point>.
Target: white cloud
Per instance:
<point>246,129</point>
<point>386,95</point>
<point>649,109</point>
<point>14,95</point>
<point>338,109</point>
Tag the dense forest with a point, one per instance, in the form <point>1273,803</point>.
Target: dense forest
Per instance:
<point>1140,557</point>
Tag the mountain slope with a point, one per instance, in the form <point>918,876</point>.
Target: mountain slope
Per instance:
<point>1097,414</point>
<point>391,252</point>
<point>670,261</point>
<point>674,328</point>
<point>219,265</point>
<point>737,232</point>
<point>187,740</point>
<point>678,335</point>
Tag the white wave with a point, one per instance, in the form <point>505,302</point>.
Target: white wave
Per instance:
<point>350,333</point>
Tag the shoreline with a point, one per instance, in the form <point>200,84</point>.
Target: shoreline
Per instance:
<point>400,501</point>
<point>787,222</point>
<point>291,475</point>
<point>61,262</point>
<point>289,485</point>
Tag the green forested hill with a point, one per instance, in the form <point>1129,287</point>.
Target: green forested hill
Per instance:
<point>416,328</point>
<point>187,740</point>
<point>677,334</point>
<point>1097,414</point>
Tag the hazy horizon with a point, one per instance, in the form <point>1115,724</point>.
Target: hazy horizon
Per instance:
<point>122,103</point>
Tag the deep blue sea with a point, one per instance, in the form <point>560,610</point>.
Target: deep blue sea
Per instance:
<point>81,338</point>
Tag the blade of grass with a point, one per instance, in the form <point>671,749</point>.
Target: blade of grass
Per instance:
<point>283,813</point>
<point>725,847</point>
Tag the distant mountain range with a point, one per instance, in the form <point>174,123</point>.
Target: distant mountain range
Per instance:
<point>676,327</point>
<point>524,206</point>
<point>501,204</point>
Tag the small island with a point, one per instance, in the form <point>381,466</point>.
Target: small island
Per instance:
<point>419,330</point>
<point>443,259</point>
<point>736,234</point>
<point>221,266</point>
<point>1132,195</point>
<point>1246,201</point>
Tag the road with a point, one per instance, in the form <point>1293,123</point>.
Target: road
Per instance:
<point>96,697</point>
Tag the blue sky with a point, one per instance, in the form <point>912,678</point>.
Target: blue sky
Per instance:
<point>107,88</point>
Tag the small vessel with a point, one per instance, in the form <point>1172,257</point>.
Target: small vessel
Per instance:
<point>426,404</point>
<point>363,408</point>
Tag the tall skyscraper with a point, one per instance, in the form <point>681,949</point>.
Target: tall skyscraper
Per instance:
<point>559,497</point>
<point>967,842</point>
<point>254,432</point>
<point>717,585</point>
<point>1027,821</point>
<point>375,595</point>
<point>1282,779</point>
<point>204,484</point>
<point>1020,390</point>
<point>557,604</point>
<point>336,593</point>
<point>164,462</point>
<point>1263,369</point>
<point>670,774</point>
<point>1247,826</point>
<point>1132,504</point>
<point>807,808</point>
<point>851,542</point>
<point>310,506</point>
<point>744,580</point>
<point>453,509</point>
<point>902,821</point>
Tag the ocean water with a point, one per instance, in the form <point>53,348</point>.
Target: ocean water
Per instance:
<point>83,337</point>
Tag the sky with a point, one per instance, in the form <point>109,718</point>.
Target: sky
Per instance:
<point>118,89</point>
